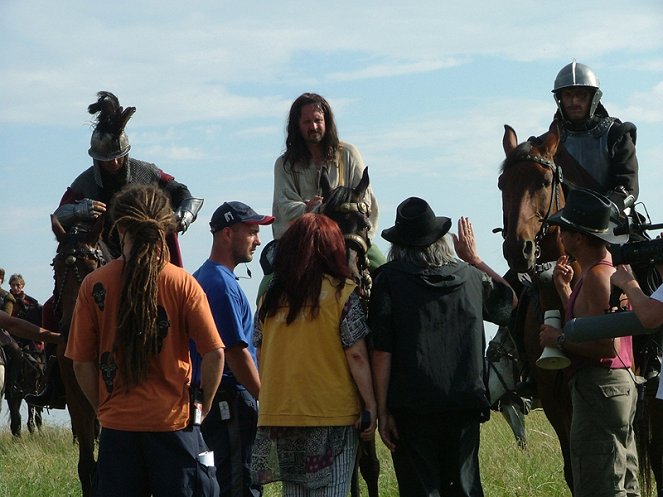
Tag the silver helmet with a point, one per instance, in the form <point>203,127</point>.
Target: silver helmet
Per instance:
<point>577,75</point>
<point>109,141</point>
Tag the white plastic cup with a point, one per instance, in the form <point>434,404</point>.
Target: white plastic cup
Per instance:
<point>206,458</point>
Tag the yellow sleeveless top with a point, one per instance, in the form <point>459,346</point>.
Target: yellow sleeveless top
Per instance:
<point>305,378</point>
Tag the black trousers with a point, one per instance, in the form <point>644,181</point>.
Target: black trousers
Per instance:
<point>230,433</point>
<point>437,455</point>
<point>158,464</point>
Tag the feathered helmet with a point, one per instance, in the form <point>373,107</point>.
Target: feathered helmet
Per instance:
<point>109,141</point>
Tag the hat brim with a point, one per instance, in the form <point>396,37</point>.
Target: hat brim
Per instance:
<point>608,236</point>
<point>399,235</point>
<point>261,220</point>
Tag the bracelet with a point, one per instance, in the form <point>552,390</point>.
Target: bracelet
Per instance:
<point>561,340</point>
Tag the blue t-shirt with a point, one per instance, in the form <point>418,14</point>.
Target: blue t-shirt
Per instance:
<point>231,311</point>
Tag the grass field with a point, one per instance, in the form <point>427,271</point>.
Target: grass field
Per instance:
<point>44,464</point>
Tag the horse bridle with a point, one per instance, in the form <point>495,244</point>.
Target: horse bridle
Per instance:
<point>358,207</point>
<point>362,242</point>
<point>558,180</point>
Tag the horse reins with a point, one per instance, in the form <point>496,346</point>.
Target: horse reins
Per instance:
<point>495,352</point>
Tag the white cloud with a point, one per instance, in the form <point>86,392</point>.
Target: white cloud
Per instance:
<point>645,107</point>
<point>395,69</point>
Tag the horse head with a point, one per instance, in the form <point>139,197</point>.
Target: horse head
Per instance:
<point>346,206</point>
<point>531,186</point>
<point>78,254</point>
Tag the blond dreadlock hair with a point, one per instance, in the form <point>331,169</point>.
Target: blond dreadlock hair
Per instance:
<point>145,214</point>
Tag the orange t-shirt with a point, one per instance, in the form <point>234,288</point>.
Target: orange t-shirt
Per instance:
<point>160,402</point>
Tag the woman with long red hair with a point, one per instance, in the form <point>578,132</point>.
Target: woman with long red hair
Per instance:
<point>314,369</point>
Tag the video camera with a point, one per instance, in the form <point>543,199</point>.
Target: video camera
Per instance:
<point>640,250</point>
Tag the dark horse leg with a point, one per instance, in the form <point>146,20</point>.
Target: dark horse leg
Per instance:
<point>648,424</point>
<point>369,465</point>
<point>31,419</point>
<point>556,402</point>
<point>553,391</point>
<point>15,420</point>
<point>35,419</point>
<point>656,442</point>
<point>82,423</point>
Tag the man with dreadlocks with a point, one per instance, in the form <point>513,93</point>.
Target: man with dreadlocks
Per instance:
<point>87,197</point>
<point>90,193</point>
<point>129,342</point>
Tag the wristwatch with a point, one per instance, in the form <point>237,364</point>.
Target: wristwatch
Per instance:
<point>561,340</point>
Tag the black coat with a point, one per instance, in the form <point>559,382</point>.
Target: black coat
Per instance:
<point>431,321</point>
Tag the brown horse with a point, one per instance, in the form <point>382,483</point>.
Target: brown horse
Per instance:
<point>531,185</point>
<point>77,255</point>
<point>345,205</point>
<point>532,181</point>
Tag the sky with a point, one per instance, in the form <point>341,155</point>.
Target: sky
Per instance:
<point>422,88</point>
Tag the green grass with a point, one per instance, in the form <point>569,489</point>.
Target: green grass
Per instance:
<point>506,470</point>
<point>44,464</point>
<point>39,465</point>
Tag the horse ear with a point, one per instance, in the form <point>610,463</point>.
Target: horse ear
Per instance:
<point>361,188</point>
<point>325,186</point>
<point>509,140</point>
<point>57,228</point>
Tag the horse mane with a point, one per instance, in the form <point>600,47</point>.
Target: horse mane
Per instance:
<point>338,196</point>
<point>345,205</point>
<point>516,156</point>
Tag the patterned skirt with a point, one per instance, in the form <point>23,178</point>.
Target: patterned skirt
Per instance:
<point>301,455</point>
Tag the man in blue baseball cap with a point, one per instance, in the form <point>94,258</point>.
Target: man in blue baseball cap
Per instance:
<point>235,229</point>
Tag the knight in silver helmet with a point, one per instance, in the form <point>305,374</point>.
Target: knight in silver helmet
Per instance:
<point>600,144</point>
<point>87,197</point>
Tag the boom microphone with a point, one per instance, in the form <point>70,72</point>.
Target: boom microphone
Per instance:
<point>616,324</point>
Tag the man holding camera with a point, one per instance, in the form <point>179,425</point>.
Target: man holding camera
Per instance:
<point>648,309</point>
<point>604,459</point>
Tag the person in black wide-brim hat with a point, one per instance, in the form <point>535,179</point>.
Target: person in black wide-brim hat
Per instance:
<point>426,320</point>
<point>590,213</point>
<point>603,391</point>
<point>416,224</point>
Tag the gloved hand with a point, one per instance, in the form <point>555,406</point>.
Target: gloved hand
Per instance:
<point>186,213</point>
<point>88,209</point>
<point>184,220</point>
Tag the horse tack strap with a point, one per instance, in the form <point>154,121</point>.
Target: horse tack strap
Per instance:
<point>558,179</point>
<point>358,240</point>
<point>360,207</point>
